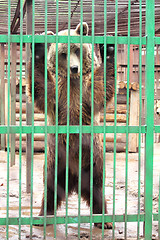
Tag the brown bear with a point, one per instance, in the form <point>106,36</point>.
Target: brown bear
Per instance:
<point>74,109</point>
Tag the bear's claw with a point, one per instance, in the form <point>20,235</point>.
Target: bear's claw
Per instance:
<point>108,225</point>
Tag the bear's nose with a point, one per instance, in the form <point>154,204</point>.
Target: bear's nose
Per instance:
<point>74,69</point>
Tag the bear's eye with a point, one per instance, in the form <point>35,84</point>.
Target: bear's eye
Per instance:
<point>77,52</point>
<point>64,55</point>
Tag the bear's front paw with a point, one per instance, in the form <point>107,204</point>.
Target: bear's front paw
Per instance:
<point>106,225</point>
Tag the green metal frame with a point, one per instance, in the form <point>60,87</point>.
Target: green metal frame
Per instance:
<point>148,129</point>
<point>149,88</point>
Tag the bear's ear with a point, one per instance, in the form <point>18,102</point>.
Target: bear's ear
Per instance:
<point>85,28</point>
<point>39,52</point>
<point>40,48</point>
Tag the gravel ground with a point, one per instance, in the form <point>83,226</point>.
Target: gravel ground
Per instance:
<point>73,200</point>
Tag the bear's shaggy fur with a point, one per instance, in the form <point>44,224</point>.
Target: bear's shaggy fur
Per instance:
<point>39,97</point>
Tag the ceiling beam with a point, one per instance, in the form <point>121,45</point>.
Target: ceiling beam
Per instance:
<point>122,11</point>
<point>16,19</point>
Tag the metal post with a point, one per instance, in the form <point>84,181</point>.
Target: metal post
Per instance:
<point>2,94</point>
<point>28,105</point>
<point>149,95</point>
<point>13,98</point>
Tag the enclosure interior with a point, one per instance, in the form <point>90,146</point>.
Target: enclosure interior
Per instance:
<point>125,34</point>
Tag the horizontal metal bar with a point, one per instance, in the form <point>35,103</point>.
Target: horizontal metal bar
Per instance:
<point>74,39</point>
<point>157,40</point>
<point>72,219</point>
<point>157,129</point>
<point>156,217</point>
<point>72,129</point>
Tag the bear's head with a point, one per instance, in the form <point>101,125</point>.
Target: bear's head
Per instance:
<point>74,54</point>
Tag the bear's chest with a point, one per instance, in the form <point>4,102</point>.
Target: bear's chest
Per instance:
<point>69,106</point>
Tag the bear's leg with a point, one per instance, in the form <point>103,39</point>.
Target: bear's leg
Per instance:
<point>97,193</point>
<point>97,205</point>
<point>72,184</point>
<point>50,191</point>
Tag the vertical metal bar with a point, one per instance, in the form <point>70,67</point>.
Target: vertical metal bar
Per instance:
<point>127,117</point>
<point>45,166</point>
<point>28,148</point>
<point>104,122</point>
<point>68,113</point>
<point>30,154</point>
<point>2,94</point>
<point>92,123</point>
<point>8,118</point>
<point>56,123</point>
<point>140,115</point>
<point>149,96</point>
<point>13,98</point>
<point>20,112</point>
<point>115,116</point>
<point>80,119</point>
<point>28,105</point>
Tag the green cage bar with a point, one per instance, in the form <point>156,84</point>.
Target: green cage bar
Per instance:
<point>2,96</point>
<point>92,123</point>
<point>80,120</point>
<point>140,116</point>
<point>149,95</point>
<point>8,119</point>
<point>115,116</point>
<point>74,129</point>
<point>75,39</point>
<point>46,132</point>
<point>56,124</point>
<point>127,118</point>
<point>104,114</point>
<point>86,39</point>
<point>68,116</point>
<point>32,120</point>
<point>73,219</point>
<point>20,122</point>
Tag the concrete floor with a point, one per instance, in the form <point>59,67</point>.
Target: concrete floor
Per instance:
<point>73,200</point>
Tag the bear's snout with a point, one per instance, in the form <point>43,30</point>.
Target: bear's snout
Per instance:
<point>74,69</point>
